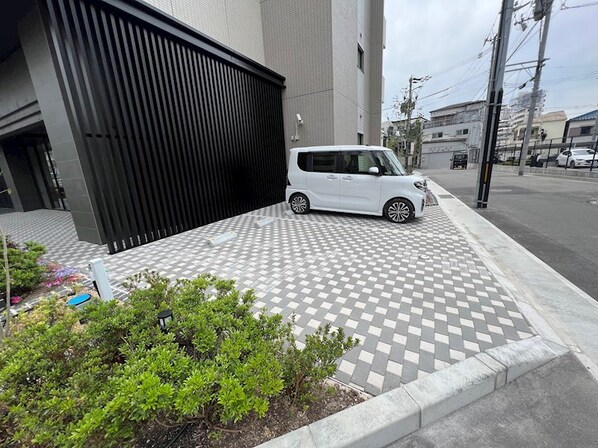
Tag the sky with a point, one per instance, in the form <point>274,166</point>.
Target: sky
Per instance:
<point>445,40</point>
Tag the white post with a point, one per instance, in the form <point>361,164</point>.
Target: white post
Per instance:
<point>100,278</point>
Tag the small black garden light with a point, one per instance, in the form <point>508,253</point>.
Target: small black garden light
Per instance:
<point>164,317</point>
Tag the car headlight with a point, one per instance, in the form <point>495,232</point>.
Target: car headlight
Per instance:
<point>422,185</point>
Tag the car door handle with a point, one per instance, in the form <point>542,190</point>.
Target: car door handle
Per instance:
<point>331,177</point>
<point>347,178</point>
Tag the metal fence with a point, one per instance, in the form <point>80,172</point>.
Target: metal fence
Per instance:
<point>542,154</point>
<point>175,130</point>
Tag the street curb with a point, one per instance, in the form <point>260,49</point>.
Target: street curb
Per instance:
<point>525,293</point>
<point>548,172</point>
<point>388,417</point>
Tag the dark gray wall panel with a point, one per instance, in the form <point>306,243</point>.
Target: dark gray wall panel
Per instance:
<point>178,131</point>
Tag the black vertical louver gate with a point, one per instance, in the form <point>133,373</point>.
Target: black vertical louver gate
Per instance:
<point>176,130</point>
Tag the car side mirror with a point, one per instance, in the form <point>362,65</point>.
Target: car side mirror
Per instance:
<point>374,170</point>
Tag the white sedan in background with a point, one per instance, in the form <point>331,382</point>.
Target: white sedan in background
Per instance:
<point>577,158</point>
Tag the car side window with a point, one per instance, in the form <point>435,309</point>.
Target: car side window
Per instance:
<point>566,153</point>
<point>357,162</point>
<point>323,162</point>
<point>302,161</point>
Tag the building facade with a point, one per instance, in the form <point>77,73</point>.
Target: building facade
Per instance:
<point>451,129</point>
<point>514,115</point>
<point>546,127</point>
<point>330,53</point>
<point>581,130</point>
<point>146,119</point>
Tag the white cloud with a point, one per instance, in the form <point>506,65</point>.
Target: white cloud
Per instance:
<point>426,36</point>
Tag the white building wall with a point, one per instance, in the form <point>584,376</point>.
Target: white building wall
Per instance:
<point>438,155</point>
<point>313,43</point>
<point>348,80</point>
<point>298,45</point>
<point>376,36</point>
<point>235,23</point>
<point>472,139</point>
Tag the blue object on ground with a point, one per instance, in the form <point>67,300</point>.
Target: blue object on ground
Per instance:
<point>78,300</point>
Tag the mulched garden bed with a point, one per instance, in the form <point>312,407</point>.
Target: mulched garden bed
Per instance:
<point>281,418</point>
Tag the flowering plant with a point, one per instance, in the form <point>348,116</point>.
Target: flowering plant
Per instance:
<point>61,275</point>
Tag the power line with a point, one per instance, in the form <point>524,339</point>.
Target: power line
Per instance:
<point>564,6</point>
<point>460,64</point>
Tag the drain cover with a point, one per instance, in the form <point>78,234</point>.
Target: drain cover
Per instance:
<point>446,196</point>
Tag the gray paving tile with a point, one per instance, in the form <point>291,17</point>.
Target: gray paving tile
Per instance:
<point>316,266</point>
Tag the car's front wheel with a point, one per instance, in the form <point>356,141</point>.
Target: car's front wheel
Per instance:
<point>299,204</point>
<point>572,164</point>
<point>399,210</point>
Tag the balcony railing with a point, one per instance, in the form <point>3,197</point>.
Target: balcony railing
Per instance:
<point>435,123</point>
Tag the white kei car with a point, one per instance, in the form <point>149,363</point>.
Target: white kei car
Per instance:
<point>577,158</point>
<point>354,179</point>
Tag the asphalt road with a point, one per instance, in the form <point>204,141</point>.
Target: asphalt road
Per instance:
<point>554,218</point>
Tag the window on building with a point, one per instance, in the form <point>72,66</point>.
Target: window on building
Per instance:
<point>359,139</point>
<point>585,130</point>
<point>360,58</point>
<point>462,131</point>
<point>437,135</point>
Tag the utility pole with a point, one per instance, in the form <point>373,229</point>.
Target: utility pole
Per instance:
<point>543,8</point>
<point>494,100</point>
<point>410,107</point>
<point>408,124</point>
<point>595,133</point>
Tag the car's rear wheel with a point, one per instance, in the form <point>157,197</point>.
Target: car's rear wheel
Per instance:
<point>399,210</point>
<point>299,204</point>
<point>556,163</point>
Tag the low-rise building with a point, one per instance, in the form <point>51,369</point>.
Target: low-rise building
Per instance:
<point>580,130</point>
<point>452,129</point>
<point>546,127</point>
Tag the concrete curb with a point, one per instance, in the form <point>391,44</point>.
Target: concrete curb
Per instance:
<point>550,171</point>
<point>567,316</point>
<point>386,418</point>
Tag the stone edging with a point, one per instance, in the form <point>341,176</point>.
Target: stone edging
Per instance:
<point>386,418</point>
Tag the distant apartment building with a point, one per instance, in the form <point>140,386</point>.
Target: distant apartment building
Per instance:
<point>451,129</point>
<point>580,130</point>
<point>148,118</point>
<point>515,114</point>
<point>546,127</point>
<point>398,129</point>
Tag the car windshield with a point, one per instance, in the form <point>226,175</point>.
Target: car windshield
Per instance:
<point>390,163</point>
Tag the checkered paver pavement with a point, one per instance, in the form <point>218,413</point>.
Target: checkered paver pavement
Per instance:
<point>416,295</point>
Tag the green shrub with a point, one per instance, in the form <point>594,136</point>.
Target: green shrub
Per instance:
<point>308,367</point>
<point>95,384</point>
<point>25,272</point>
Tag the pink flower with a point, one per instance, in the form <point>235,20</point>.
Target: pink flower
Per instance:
<point>15,299</point>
